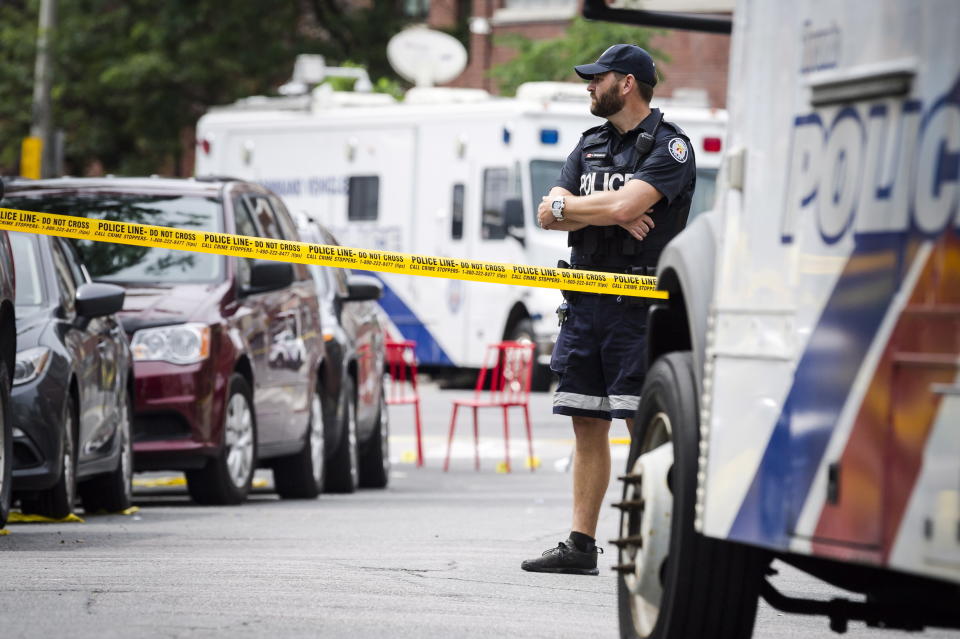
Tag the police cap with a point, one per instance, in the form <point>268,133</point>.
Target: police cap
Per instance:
<point>622,58</point>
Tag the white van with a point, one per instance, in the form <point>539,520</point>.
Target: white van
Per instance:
<point>434,175</point>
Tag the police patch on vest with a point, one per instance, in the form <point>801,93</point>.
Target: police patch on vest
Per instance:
<point>678,149</point>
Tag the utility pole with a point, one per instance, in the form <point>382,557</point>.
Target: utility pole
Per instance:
<point>42,123</point>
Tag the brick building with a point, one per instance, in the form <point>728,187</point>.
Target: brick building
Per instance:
<point>697,60</point>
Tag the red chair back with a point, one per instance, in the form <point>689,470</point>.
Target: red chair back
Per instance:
<point>506,373</point>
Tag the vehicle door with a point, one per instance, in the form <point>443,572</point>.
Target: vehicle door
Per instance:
<point>360,322</point>
<point>301,309</point>
<point>112,349</point>
<point>83,344</point>
<point>279,353</point>
<point>257,325</point>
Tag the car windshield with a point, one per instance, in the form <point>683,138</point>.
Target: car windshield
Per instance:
<point>124,263</point>
<point>26,266</point>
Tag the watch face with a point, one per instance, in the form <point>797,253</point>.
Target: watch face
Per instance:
<point>557,205</point>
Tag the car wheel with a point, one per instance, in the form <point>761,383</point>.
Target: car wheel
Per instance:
<point>6,446</point>
<point>375,459</point>
<point>113,491</point>
<point>673,582</point>
<point>227,477</point>
<point>541,377</point>
<point>300,476</point>
<point>342,472</point>
<point>57,501</point>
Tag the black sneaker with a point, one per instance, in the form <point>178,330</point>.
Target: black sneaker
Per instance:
<point>565,558</point>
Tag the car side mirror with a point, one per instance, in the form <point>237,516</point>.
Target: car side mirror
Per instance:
<point>513,218</point>
<point>98,299</point>
<point>363,288</point>
<point>267,275</point>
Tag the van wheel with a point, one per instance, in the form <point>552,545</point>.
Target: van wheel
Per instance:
<point>113,491</point>
<point>226,478</point>
<point>375,460</point>
<point>6,446</point>
<point>342,472</point>
<point>674,583</point>
<point>300,476</point>
<point>57,501</point>
<point>541,376</point>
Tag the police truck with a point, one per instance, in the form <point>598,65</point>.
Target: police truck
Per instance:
<point>803,396</point>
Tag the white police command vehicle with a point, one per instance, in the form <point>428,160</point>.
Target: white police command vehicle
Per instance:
<point>447,172</point>
<point>803,399</point>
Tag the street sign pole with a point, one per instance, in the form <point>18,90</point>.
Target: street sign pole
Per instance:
<point>41,126</point>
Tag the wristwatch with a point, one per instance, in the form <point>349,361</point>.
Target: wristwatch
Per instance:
<point>556,207</point>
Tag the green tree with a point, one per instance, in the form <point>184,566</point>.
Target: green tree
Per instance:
<point>553,60</point>
<point>131,78</point>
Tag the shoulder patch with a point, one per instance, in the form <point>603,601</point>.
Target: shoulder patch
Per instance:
<point>678,149</point>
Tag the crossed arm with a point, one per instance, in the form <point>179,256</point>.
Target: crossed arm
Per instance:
<point>627,207</point>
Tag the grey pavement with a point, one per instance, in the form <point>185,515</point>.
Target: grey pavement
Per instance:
<point>434,555</point>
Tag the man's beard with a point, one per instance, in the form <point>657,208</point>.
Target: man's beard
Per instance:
<point>607,103</point>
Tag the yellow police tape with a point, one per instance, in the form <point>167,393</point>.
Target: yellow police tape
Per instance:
<point>30,518</point>
<point>327,255</point>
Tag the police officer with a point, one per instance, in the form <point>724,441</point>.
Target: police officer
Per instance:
<point>633,177</point>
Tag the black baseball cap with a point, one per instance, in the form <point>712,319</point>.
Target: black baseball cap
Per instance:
<point>622,58</point>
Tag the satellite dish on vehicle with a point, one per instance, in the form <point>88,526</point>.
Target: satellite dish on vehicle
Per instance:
<point>426,57</point>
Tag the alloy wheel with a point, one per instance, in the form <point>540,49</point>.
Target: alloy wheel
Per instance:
<point>68,471</point>
<point>126,450</point>
<point>239,440</point>
<point>317,452</point>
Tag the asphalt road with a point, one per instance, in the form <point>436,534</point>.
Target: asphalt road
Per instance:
<point>435,555</point>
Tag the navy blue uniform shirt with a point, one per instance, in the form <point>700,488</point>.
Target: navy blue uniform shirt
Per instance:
<point>670,167</point>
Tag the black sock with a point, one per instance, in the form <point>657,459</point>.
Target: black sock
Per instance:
<point>584,543</point>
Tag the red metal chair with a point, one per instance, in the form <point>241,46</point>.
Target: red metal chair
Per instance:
<point>509,366</point>
<point>402,366</point>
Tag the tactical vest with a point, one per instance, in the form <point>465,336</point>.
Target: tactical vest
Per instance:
<point>612,246</point>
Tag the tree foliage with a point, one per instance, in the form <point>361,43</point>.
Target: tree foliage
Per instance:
<point>553,60</point>
<point>131,78</point>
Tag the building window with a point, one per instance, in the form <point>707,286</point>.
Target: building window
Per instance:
<point>364,197</point>
<point>456,228</point>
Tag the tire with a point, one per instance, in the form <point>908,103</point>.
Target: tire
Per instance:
<point>682,584</point>
<point>301,476</point>
<point>541,377</point>
<point>6,446</point>
<point>227,477</point>
<point>113,491</point>
<point>343,475</point>
<point>375,459</point>
<point>57,501</point>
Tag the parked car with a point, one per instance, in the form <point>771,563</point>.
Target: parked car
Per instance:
<point>8,350</point>
<point>354,337</point>
<point>218,389</point>
<point>72,384</point>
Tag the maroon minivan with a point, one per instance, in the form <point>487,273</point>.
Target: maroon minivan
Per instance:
<point>226,350</point>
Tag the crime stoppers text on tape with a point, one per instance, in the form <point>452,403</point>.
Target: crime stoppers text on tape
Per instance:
<point>327,255</point>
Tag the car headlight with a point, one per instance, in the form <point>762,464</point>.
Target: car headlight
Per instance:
<point>177,344</point>
<point>30,363</point>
